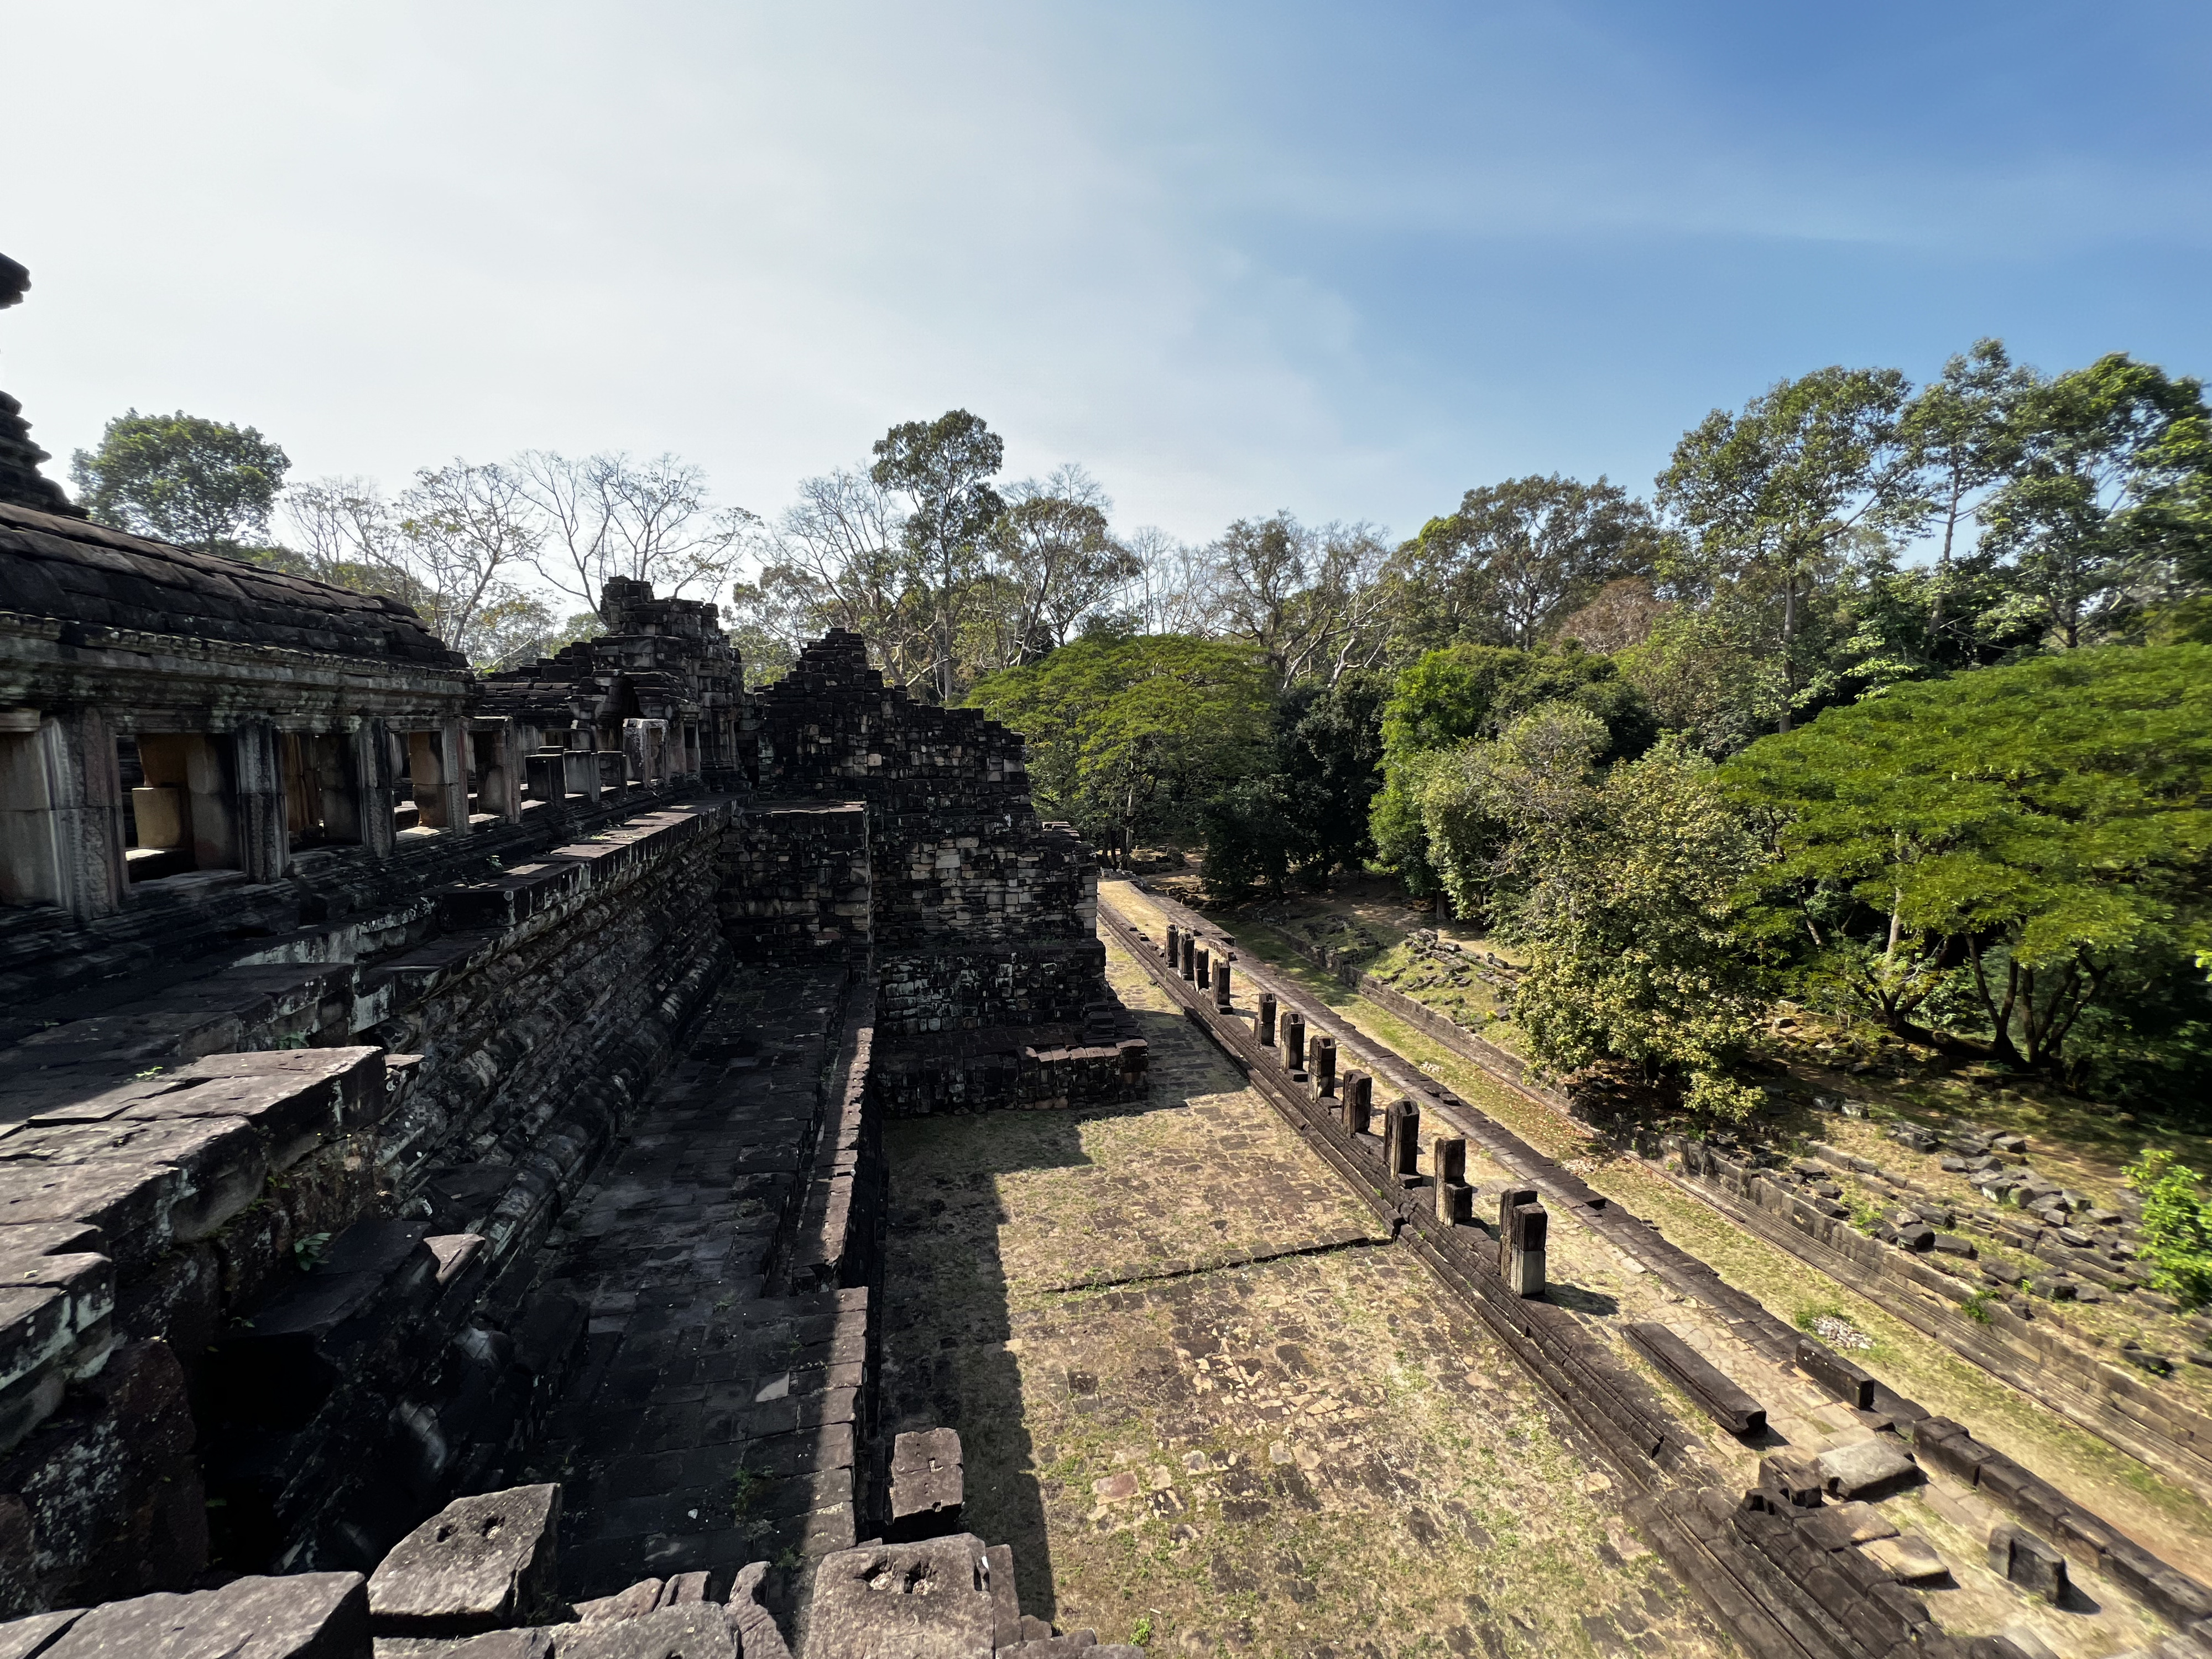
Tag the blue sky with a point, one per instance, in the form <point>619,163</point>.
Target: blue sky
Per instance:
<point>1343,260</point>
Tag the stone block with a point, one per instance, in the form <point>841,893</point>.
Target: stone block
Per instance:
<point>926,1479</point>
<point>1402,1140</point>
<point>699,1631</point>
<point>928,1600</point>
<point>1713,1389</point>
<point>641,1597</point>
<point>1359,1102</point>
<point>1907,1560</point>
<point>756,1632</point>
<point>1794,1476</point>
<point>1526,1234</point>
<point>26,1638</point>
<point>2028,1562</point>
<point>1838,1374</point>
<point>1263,1022</point>
<point>478,1563</point>
<point>1873,1467</point>
<point>312,1615</point>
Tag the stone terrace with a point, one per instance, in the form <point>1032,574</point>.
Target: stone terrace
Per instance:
<point>1191,1391</point>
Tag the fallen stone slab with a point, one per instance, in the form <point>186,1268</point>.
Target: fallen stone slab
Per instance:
<point>1716,1393</point>
<point>1907,1560</point>
<point>309,1615</point>
<point>25,1639</point>
<point>479,1563</point>
<point>1867,1468</point>
<point>1838,1374</point>
<point>643,1597</point>
<point>756,1630</point>
<point>925,1601</point>
<point>2028,1562</point>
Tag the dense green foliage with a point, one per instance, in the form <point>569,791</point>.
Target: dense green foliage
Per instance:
<point>181,478</point>
<point>1132,737</point>
<point>1471,693</point>
<point>1625,901</point>
<point>1891,697</point>
<point>2035,836</point>
<point>2177,1226</point>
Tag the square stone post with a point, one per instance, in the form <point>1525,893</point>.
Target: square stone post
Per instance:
<point>1294,1040</point>
<point>1359,1102</point>
<point>1190,956</point>
<point>1263,1022</point>
<point>263,844</point>
<point>1221,985</point>
<point>1321,1062</point>
<point>1524,1249</point>
<point>1508,1199</point>
<point>1401,1141</point>
<point>1205,971</point>
<point>1174,945</point>
<point>1455,1198</point>
<point>373,787</point>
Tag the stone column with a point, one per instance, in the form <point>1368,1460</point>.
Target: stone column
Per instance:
<point>373,787</point>
<point>1174,945</point>
<point>1205,971</point>
<point>1294,1040</point>
<point>1526,1227</point>
<point>1189,956</point>
<point>1455,1198</point>
<point>258,839</point>
<point>1359,1102</point>
<point>1263,1022</point>
<point>1510,1200</point>
<point>61,813</point>
<point>1221,986</point>
<point>1321,1062</point>
<point>1401,1141</point>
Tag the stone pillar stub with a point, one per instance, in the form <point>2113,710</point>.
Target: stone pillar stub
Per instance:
<point>1263,1022</point>
<point>1294,1040</point>
<point>1321,1062</point>
<point>1221,985</point>
<point>1402,1140</point>
<point>1205,971</point>
<point>1189,957</point>
<point>1359,1102</point>
<point>1526,1231</point>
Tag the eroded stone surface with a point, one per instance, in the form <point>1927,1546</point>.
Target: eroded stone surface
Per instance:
<point>479,1562</point>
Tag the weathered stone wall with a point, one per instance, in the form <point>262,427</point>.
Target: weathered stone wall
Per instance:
<point>328,1410</point>
<point>990,984</point>
<point>796,880</point>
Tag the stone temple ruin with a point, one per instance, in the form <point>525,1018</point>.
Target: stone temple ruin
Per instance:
<point>525,1163</point>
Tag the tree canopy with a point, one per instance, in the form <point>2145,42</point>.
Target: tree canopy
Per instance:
<point>182,478</point>
<point>2039,826</point>
<point>1131,736</point>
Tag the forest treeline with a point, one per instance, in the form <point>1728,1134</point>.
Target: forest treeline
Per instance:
<point>1895,700</point>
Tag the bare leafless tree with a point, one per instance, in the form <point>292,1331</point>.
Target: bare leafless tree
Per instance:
<point>605,516</point>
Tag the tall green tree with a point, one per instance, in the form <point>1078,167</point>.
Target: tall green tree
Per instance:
<point>1447,698</point>
<point>2039,826</point>
<point>2104,511</point>
<point>1130,737</point>
<point>944,468</point>
<point>1518,557</point>
<point>1625,897</point>
<point>1775,501</point>
<point>182,478</point>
